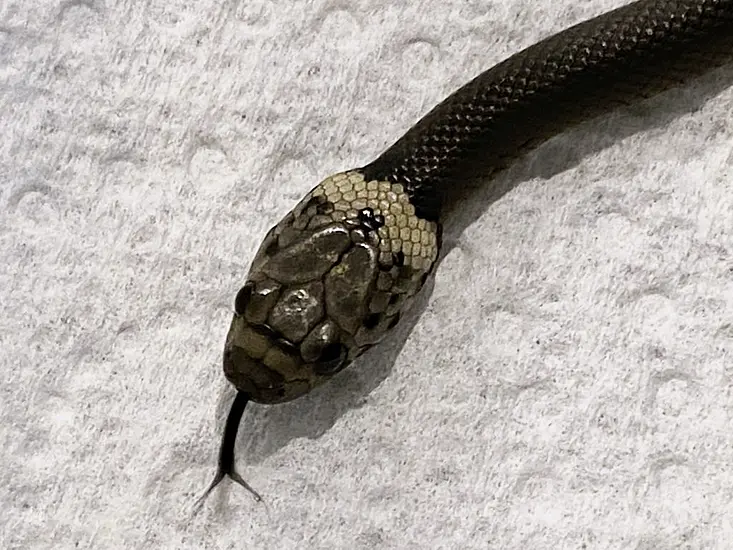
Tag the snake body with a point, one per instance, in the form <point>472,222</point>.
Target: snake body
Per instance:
<point>333,277</point>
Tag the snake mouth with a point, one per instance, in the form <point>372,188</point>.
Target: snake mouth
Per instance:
<point>262,383</point>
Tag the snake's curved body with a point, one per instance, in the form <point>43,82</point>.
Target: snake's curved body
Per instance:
<point>333,277</point>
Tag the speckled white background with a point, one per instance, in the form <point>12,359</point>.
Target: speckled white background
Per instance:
<point>567,385</point>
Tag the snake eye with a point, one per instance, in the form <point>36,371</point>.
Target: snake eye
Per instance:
<point>332,359</point>
<point>242,299</point>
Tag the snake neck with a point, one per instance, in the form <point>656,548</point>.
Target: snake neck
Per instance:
<point>628,54</point>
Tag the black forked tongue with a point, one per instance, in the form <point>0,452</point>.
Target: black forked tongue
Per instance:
<point>226,451</point>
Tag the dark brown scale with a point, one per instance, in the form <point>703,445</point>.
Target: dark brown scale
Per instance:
<point>624,55</point>
<point>379,301</point>
<point>266,331</point>
<point>300,223</point>
<point>385,262</point>
<point>270,244</point>
<point>324,207</point>
<point>287,347</point>
<point>372,320</point>
<point>384,281</point>
<point>369,221</point>
<point>358,236</point>
<point>243,298</point>
<point>393,322</point>
<point>298,311</point>
<point>256,305</point>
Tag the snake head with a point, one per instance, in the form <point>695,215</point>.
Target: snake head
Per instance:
<point>328,282</point>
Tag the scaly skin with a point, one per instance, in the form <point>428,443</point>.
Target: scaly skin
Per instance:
<point>333,277</point>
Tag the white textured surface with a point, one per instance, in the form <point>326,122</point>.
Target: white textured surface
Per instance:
<point>568,384</point>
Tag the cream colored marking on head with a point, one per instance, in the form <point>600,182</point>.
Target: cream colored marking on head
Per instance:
<point>349,192</point>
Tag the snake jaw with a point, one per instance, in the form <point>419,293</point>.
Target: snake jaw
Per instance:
<point>329,281</point>
<point>275,377</point>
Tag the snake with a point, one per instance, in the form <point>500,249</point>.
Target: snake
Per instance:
<point>337,273</point>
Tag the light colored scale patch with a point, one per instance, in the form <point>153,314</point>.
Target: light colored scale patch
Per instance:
<point>403,230</point>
